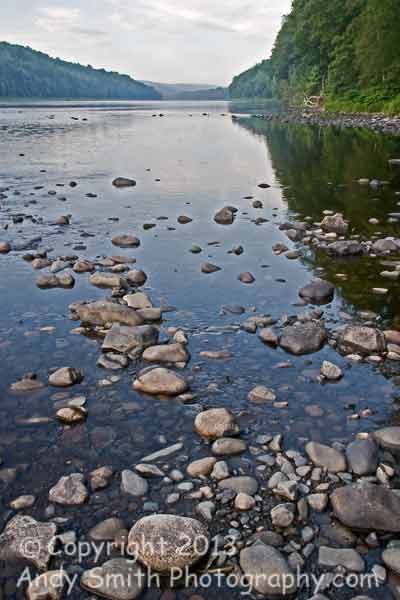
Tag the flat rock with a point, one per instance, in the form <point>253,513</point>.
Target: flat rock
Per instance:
<point>367,507</point>
<point>18,530</point>
<point>100,313</point>
<point>331,558</point>
<point>362,340</point>
<point>241,485</point>
<point>66,377</point>
<point>27,385</point>
<point>157,541</point>
<point>48,282</point>
<point>388,437</point>
<point>107,529</point>
<point>116,579</point>
<point>168,353</point>
<point>216,423</point>
<point>133,484</point>
<point>326,457</point>
<point>69,491</point>
<point>209,268</point>
<point>107,280</point>
<point>362,457</point>
<point>268,336</point>
<point>317,292</point>
<point>201,467</point>
<point>130,340</point>
<point>261,394</point>
<point>160,381</point>
<point>138,300</point>
<point>268,571</point>
<point>123,182</point>
<point>126,241</point>
<point>228,447</point>
<point>48,586</point>
<point>303,338</point>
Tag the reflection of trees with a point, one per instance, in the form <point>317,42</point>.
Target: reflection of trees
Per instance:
<point>318,169</point>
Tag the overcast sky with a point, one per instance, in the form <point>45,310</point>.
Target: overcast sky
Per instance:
<point>199,41</point>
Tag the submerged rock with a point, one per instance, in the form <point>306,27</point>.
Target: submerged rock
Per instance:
<point>160,381</point>
<point>216,423</point>
<point>69,491</point>
<point>168,353</point>
<point>157,542</point>
<point>240,485</point>
<point>116,579</point>
<point>21,528</point>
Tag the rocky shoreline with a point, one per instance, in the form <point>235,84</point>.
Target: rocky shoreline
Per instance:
<point>378,122</point>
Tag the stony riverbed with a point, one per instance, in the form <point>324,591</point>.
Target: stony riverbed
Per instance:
<point>199,345</point>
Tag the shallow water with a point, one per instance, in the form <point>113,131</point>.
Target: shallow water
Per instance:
<point>203,162</point>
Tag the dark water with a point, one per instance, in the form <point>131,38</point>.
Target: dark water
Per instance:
<point>203,163</point>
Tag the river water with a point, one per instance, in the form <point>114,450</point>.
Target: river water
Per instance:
<point>191,161</point>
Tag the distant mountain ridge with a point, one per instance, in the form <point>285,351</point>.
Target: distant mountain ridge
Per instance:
<point>27,73</point>
<point>189,91</point>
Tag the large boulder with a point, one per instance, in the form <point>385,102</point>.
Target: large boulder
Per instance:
<point>157,542</point>
<point>267,570</point>
<point>13,541</point>
<point>216,423</point>
<point>326,457</point>
<point>303,338</point>
<point>361,340</point>
<point>367,507</point>
<point>130,340</point>
<point>334,224</point>
<point>317,292</point>
<point>160,381</point>
<point>102,312</point>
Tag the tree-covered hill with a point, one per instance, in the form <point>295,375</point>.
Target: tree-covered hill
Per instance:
<point>30,74</point>
<point>346,48</point>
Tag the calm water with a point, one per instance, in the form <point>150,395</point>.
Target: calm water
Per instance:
<point>202,163</point>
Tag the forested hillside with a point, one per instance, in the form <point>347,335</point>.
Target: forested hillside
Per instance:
<point>349,49</point>
<point>27,73</point>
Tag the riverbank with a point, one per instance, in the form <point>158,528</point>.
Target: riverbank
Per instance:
<point>378,122</point>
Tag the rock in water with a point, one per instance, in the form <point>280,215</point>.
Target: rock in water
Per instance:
<point>317,292</point>
<point>209,268</point>
<point>362,456</point>
<point>48,586</point>
<point>157,541</point>
<point>225,216</point>
<point>130,340</point>
<point>117,579</point>
<point>330,371</point>
<point>334,224</point>
<point>133,484</point>
<point>126,241</point>
<point>69,491</point>
<point>267,570</point>
<point>388,437</point>
<point>326,457</point>
<point>5,248</point>
<point>65,377</point>
<point>367,507</point>
<point>160,381</point>
<point>21,528</point>
<point>123,182</point>
<point>303,338</point>
<point>362,340</point>
<point>166,353</point>
<point>246,277</point>
<point>216,423</point>
<point>241,484</point>
<point>107,280</point>
<point>100,313</point>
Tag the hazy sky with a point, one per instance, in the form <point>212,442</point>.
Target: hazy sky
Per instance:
<point>200,41</point>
